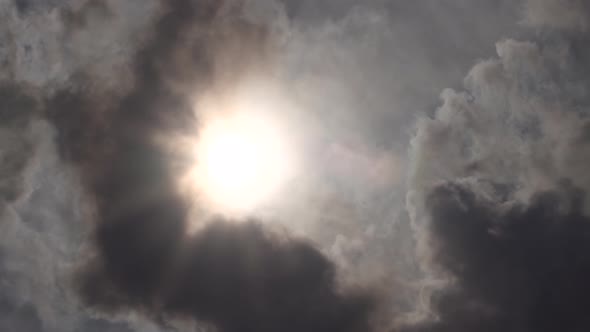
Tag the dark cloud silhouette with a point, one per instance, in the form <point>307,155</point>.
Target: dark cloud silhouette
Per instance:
<point>234,275</point>
<point>246,280</point>
<point>520,267</point>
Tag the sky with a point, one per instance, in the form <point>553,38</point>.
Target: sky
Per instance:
<point>294,165</point>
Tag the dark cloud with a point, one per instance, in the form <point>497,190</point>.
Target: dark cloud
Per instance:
<point>242,279</point>
<point>234,275</point>
<point>17,110</point>
<point>22,6</point>
<point>78,18</point>
<point>15,317</point>
<point>520,267</point>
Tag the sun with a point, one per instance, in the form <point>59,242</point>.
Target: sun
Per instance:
<point>242,159</point>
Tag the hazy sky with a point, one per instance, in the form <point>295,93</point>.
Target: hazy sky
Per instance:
<point>436,177</point>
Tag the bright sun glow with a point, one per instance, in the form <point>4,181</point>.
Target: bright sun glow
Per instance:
<point>242,160</point>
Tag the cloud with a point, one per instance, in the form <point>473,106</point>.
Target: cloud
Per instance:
<point>112,76</point>
<point>19,317</point>
<point>46,43</point>
<point>18,112</point>
<point>236,276</point>
<point>560,14</point>
<point>513,267</point>
<point>497,189</point>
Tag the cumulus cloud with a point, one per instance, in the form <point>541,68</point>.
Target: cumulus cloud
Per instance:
<point>497,188</point>
<point>519,122</point>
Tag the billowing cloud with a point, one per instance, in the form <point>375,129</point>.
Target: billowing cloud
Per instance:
<point>235,276</point>
<point>498,187</point>
<point>94,234</point>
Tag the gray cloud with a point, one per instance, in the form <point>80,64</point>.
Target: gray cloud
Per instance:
<point>560,14</point>
<point>236,276</point>
<point>491,194</point>
<point>362,73</point>
<point>45,43</point>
